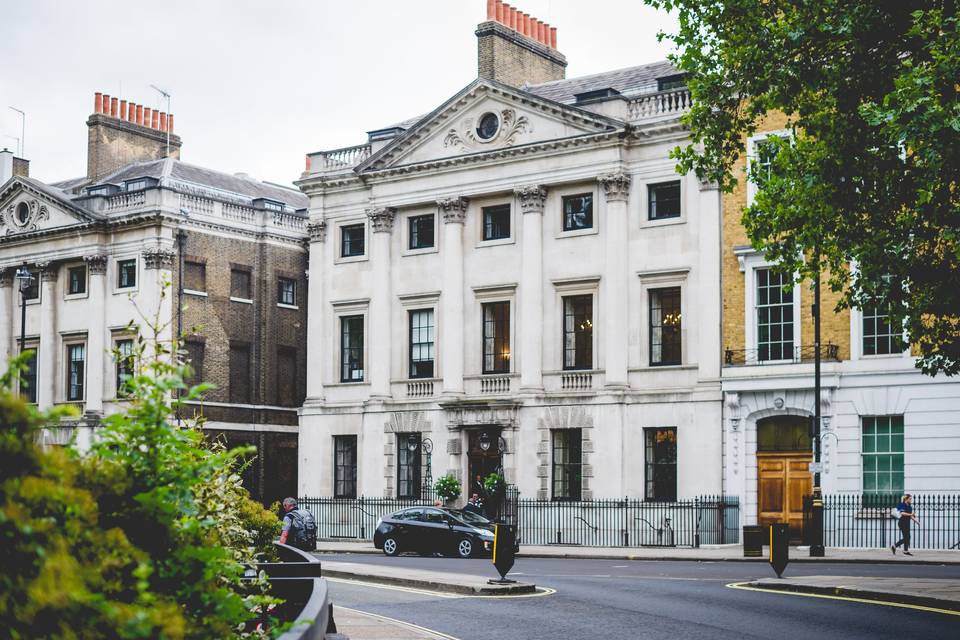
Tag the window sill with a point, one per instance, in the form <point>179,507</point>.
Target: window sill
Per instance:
<point>76,296</point>
<point>496,243</point>
<point>288,306</point>
<point>574,233</point>
<point>32,301</point>
<point>420,252</point>
<point>122,290</point>
<point>356,383</point>
<point>348,259</point>
<point>191,292</point>
<point>242,300</point>
<point>663,222</point>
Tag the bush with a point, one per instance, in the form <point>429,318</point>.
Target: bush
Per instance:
<point>447,487</point>
<point>147,536</point>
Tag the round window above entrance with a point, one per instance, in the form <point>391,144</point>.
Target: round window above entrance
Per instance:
<point>23,213</point>
<point>488,126</point>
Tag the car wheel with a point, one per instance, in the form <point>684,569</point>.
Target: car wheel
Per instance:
<point>390,547</point>
<point>465,548</point>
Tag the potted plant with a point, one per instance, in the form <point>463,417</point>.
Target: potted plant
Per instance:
<point>447,489</point>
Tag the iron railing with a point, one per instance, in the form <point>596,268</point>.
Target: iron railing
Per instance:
<point>855,520</point>
<point>626,522</point>
<point>769,355</point>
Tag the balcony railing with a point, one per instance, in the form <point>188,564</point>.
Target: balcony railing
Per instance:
<point>769,355</point>
<point>420,388</point>
<point>339,159</point>
<point>495,384</point>
<point>576,380</point>
<point>662,103</point>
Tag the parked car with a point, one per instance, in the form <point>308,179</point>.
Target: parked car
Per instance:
<point>428,530</point>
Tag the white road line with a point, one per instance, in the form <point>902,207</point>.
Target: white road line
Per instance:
<point>902,605</point>
<point>401,623</point>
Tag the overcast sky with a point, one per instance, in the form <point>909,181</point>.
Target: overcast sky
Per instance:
<point>257,84</point>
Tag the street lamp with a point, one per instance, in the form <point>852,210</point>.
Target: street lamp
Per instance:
<point>24,279</point>
<point>816,543</point>
<point>414,443</point>
<point>486,442</point>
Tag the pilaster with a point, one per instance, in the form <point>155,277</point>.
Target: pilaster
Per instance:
<point>615,283</point>
<point>96,333</point>
<point>316,356</point>
<point>453,211</point>
<point>531,199</point>
<point>7,305</point>
<point>379,326</point>
<point>47,374</point>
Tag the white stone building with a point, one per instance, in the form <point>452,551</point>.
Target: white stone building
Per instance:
<point>522,263</point>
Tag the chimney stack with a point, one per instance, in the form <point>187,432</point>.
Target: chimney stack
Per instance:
<point>517,49</point>
<point>121,132</point>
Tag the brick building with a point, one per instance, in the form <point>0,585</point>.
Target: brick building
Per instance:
<point>102,245</point>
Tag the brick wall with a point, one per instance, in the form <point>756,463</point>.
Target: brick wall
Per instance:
<point>508,57</point>
<point>835,327</point>
<point>113,143</point>
<point>262,325</point>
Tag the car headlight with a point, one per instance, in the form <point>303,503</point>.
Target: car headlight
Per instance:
<point>483,533</point>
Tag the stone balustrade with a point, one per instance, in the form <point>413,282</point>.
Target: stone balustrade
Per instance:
<point>663,103</point>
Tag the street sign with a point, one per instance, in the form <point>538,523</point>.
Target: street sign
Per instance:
<point>503,552</point>
<point>816,467</point>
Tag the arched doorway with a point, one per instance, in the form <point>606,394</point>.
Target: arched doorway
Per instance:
<point>783,470</point>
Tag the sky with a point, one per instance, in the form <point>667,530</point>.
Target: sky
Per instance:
<point>255,85</point>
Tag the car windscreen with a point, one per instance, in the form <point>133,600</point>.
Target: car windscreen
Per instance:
<point>470,517</point>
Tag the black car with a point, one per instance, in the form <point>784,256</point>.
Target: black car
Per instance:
<point>428,530</point>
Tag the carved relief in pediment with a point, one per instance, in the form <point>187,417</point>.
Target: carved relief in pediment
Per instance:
<point>19,217</point>
<point>500,129</point>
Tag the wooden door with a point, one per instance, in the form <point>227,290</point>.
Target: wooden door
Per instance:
<point>783,480</point>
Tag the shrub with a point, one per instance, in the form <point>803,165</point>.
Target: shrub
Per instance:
<point>447,487</point>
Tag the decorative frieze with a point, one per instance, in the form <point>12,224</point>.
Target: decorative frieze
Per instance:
<point>381,219</point>
<point>23,216</point>
<point>616,186</point>
<point>453,209</point>
<point>158,258</point>
<point>317,231</point>
<point>531,197</point>
<point>96,264</point>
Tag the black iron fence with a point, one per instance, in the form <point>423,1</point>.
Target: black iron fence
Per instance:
<point>624,522</point>
<point>855,520</point>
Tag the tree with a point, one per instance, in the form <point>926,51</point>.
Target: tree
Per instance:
<point>868,182</point>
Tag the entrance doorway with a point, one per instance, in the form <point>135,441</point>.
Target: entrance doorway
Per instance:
<point>783,473</point>
<point>479,462</point>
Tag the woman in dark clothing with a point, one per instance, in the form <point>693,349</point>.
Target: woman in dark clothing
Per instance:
<point>906,515</point>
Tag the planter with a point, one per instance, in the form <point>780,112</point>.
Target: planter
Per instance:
<point>297,579</point>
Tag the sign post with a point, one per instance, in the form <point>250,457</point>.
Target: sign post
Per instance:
<point>503,552</point>
<point>779,547</point>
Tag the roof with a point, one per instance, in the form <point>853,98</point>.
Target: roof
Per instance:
<point>630,82</point>
<point>172,169</point>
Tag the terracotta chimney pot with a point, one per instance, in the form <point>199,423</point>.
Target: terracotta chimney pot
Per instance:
<point>114,104</point>
<point>491,9</point>
<point>97,102</point>
<point>146,116</point>
<point>170,122</point>
<point>123,109</point>
<point>499,8</point>
<point>154,119</point>
<point>525,27</point>
<point>553,37</point>
<point>140,114</point>
<point>163,121</point>
<point>513,18</point>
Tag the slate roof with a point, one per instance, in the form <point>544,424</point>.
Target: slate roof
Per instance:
<point>630,82</point>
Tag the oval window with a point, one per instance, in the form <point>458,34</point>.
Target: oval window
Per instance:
<point>489,123</point>
<point>23,213</point>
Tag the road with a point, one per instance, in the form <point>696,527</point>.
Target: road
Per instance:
<point>646,599</point>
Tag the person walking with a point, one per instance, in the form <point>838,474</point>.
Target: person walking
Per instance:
<point>299,527</point>
<point>905,508</point>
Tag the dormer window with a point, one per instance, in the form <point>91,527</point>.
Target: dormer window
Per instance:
<point>102,190</point>
<point>669,83</point>
<point>269,205</point>
<point>135,185</point>
<point>596,95</point>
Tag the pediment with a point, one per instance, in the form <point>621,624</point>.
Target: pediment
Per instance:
<point>29,207</point>
<point>455,128</point>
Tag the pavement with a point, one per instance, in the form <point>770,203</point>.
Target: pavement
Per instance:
<point>358,625</point>
<point>710,553</point>
<point>447,582</point>
<point>930,592</point>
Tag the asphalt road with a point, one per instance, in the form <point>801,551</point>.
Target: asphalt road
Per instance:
<point>646,599</point>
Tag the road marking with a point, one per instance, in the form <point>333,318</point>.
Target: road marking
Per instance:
<point>540,592</point>
<point>401,623</point>
<point>902,605</point>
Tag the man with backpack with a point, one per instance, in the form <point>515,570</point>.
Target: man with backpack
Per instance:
<point>299,527</point>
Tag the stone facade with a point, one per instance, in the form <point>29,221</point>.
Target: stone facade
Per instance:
<point>511,58</point>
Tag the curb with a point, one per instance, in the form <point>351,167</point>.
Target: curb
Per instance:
<point>864,594</point>
<point>433,585</point>
<point>573,556</point>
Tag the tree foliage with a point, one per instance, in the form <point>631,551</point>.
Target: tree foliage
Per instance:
<point>145,536</point>
<point>870,178</point>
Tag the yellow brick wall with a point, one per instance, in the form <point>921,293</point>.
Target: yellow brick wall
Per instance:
<point>835,327</point>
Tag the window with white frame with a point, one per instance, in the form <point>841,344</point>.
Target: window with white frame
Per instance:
<point>879,336</point>
<point>351,349</point>
<point>665,326</point>
<point>774,306</point>
<point>882,454</point>
<point>421,343</point>
<point>76,357</point>
<point>761,151</point>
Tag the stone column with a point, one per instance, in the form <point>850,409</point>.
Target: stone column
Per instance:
<point>531,199</point>
<point>96,333</point>
<point>615,286</point>
<point>707,298</point>
<point>379,326</point>
<point>316,340</point>
<point>47,373</point>
<point>454,213</point>
<point>7,309</point>
<point>158,272</point>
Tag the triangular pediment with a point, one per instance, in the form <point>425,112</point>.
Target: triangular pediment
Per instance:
<point>29,206</point>
<point>464,126</point>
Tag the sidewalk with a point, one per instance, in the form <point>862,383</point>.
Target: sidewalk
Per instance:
<point>712,553</point>
<point>925,592</point>
<point>423,579</point>
<point>358,625</point>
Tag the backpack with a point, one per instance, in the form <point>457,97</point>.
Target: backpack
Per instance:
<point>303,530</point>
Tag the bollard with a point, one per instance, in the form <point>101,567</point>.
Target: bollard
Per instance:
<point>503,552</point>
<point>779,547</point>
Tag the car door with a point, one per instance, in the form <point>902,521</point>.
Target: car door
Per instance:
<point>433,531</point>
<point>406,526</point>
